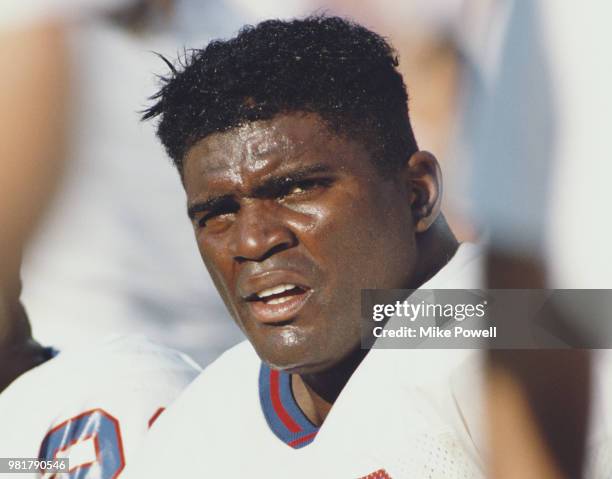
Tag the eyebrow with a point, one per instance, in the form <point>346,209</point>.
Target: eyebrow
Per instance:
<point>207,205</point>
<point>295,175</point>
<point>270,184</point>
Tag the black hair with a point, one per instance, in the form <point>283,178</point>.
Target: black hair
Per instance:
<point>338,69</point>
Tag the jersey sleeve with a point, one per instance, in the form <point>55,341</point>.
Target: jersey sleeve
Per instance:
<point>127,387</point>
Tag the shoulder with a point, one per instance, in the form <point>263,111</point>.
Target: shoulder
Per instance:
<point>221,402</point>
<point>126,374</point>
<point>129,378</point>
<point>106,394</point>
<point>114,357</point>
<point>235,360</point>
<point>230,384</point>
<point>235,372</point>
<point>125,358</point>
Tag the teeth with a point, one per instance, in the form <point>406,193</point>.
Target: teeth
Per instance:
<point>278,300</point>
<point>281,288</point>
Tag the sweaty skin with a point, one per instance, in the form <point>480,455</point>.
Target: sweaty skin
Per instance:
<point>288,202</point>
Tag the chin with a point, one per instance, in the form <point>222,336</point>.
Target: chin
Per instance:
<point>297,361</point>
<point>294,350</point>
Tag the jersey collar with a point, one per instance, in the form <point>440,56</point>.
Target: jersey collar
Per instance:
<point>283,415</point>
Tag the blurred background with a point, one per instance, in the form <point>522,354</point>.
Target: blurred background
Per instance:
<point>512,97</point>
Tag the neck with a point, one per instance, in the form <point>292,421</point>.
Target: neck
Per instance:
<point>436,247</point>
<point>18,351</point>
<point>316,393</point>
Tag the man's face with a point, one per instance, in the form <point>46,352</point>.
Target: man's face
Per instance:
<point>292,222</point>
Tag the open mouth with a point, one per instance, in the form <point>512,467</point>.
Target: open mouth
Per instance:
<point>278,294</point>
<point>278,303</point>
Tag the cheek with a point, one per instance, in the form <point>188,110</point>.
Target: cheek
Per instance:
<point>217,264</point>
<point>361,239</point>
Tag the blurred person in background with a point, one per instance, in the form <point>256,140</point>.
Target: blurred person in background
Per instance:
<point>112,254</point>
<point>93,404</point>
<point>540,146</point>
<point>31,126</point>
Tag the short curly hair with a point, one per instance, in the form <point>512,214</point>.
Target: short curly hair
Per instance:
<point>326,65</point>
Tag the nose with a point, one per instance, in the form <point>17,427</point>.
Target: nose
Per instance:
<point>260,233</point>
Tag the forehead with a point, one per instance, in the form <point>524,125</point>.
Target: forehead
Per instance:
<point>263,146</point>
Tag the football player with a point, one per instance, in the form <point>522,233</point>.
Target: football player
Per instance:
<point>305,185</point>
<point>92,405</point>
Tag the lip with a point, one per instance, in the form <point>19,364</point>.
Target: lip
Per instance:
<point>274,313</point>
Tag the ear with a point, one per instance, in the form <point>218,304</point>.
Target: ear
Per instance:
<point>423,178</point>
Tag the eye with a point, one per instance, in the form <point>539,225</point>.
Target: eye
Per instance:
<point>296,190</point>
<point>214,223</point>
<point>207,219</point>
<point>304,187</point>
<point>217,217</point>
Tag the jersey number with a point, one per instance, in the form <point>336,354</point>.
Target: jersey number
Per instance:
<point>101,431</point>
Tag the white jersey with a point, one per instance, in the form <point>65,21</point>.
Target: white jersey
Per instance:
<point>93,405</point>
<point>400,415</point>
